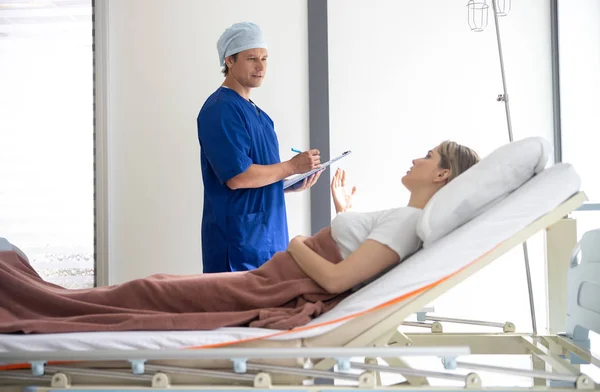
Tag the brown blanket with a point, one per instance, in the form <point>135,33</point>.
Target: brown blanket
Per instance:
<point>277,295</point>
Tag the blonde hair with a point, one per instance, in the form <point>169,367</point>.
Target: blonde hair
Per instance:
<point>456,158</point>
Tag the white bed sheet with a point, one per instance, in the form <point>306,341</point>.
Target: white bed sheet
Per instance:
<point>537,197</point>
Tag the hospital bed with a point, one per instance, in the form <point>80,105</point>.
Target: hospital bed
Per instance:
<point>366,324</point>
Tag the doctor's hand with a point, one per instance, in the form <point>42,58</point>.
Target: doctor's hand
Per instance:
<point>342,199</point>
<point>305,161</point>
<point>305,184</point>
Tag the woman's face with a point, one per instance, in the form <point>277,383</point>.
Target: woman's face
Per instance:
<point>425,171</point>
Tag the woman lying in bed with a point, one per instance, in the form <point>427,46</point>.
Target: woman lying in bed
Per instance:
<point>292,288</point>
<point>370,243</point>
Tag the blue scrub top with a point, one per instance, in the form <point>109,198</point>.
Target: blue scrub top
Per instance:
<point>243,228</point>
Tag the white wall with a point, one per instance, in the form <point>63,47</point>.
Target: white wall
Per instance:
<point>163,65</point>
<point>405,75</point>
<point>413,74</point>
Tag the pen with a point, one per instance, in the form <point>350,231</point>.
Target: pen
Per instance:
<point>296,150</point>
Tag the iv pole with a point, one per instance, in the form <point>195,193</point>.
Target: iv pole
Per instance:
<point>504,98</point>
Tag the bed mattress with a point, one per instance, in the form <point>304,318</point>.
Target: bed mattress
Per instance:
<point>463,246</point>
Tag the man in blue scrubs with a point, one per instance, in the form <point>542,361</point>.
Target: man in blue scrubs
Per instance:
<point>244,217</point>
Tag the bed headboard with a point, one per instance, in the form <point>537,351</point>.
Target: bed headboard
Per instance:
<point>583,289</point>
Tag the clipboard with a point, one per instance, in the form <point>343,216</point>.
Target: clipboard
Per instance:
<point>299,177</point>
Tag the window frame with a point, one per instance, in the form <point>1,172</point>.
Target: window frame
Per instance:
<point>100,12</point>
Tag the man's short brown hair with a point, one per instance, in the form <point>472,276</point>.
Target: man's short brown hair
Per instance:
<point>225,70</point>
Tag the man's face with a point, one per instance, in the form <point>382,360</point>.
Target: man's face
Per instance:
<point>249,68</point>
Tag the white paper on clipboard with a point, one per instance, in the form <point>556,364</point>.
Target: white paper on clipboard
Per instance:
<point>299,177</point>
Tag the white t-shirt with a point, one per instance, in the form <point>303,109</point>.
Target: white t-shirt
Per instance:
<point>396,228</point>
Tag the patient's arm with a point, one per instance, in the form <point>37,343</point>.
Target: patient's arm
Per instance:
<point>367,261</point>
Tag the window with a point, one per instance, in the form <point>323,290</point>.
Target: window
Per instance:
<point>579,51</point>
<point>46,128</point>
<point>579,48</point>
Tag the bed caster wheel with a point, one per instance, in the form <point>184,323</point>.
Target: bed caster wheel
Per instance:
<point>161,380</point>
<point>367,380</point>
<point>262,380</point>
<point>584,382</point>
<point>472,381</point>
<point>449,363</point>
<point>60,380</point>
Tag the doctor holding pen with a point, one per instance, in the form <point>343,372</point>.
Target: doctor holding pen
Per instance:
<point>244,221</point>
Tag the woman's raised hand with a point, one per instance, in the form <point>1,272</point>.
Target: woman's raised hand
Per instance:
<point>342,199</point>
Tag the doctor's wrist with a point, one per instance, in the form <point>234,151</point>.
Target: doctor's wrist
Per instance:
<point>288,169</point>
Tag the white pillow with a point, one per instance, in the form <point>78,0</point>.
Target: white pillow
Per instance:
<point>5,245</point>
<point>477,189</point>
